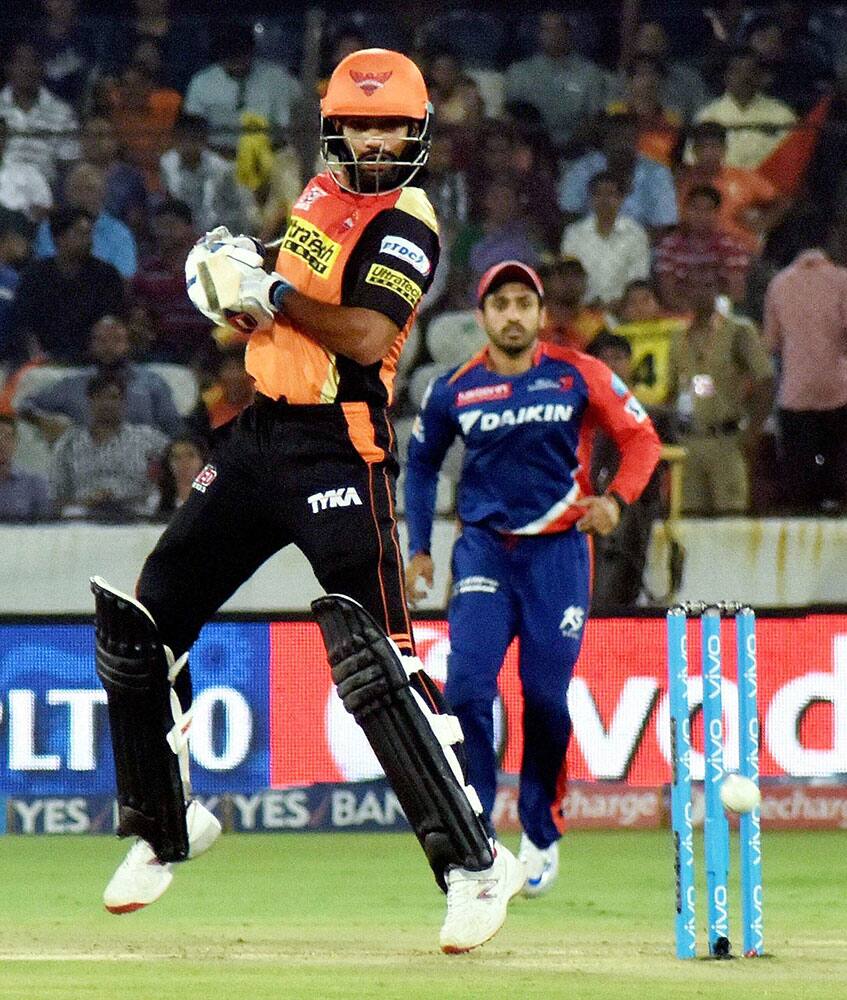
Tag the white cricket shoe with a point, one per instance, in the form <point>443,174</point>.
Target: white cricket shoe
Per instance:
<point>141,878</point>
<point>542,866</point>
<point>477,901</point>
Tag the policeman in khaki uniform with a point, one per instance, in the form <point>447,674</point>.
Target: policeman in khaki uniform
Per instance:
<point>720,382</point>
<point>311,463</point>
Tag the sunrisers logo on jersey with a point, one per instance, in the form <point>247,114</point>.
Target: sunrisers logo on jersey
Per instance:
<point>394,281</point>
<point>308,198</point>
<point>312,245</point>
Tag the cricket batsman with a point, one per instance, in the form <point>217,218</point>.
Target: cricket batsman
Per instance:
<point>526,412</point>
<point>310,463</point>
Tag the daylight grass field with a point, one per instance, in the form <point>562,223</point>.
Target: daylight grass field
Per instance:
<point>354,915</point>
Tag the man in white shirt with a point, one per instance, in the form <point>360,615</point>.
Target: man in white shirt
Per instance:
<point>744,104</point>
<point>103,470</point>
<point>42,129</point>
<point>205,181</point>
<point>22,186</point>
<point>238,83</point>
<point>613,249</point>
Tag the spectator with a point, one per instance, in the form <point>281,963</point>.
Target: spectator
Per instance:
<point>566,88</point>
<point>489,160</point>
<point>103,470</point>
<point>613,249</point>
<point>446,187</point>
<point>699,243</point>
<point>42,128</point>
<point>67,46</point>
<point>237,83</point>
<point>651,198</point>
<point>648,330</point>
<point>682,87</point>
<point>59,299</point>
<point>205,181</point>
<point>502,234</point>
<point>720,381</point>
<point>164,317</point>
<point>24,496</point>
<point>806,325</point>
<point>125,196</point>
<point>144,112</point>
<point>226,397</point>
<point>182,39</point>
<point>619,558</point>
<point>148,396</point>
<point>725,32</point>
<point>278,191</point>
<point>658,124</point>
<point>568,322</point>
<point>750,205</point>
<point>111,241</point>
<point>756,124</point>
<point>519,152</point>
<point>825,182</point>
<point>532,166</point>
<point>183,459</point>
<point>454,96</point>
<point>15,245</point>
<point>339,43</point>
<point>793,70</point>
<point>22,186</point>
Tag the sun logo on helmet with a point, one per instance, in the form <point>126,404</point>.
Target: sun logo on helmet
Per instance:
<point>370,82</point>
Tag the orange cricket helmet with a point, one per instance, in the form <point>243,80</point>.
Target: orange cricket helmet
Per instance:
<point>375,83</point>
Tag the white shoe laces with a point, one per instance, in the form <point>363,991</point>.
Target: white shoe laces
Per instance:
<point>463,887</point>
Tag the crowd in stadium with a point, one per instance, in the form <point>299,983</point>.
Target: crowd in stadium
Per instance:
<point>679,178</point>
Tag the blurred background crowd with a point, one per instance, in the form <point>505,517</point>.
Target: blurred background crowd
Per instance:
<point>677,173</point>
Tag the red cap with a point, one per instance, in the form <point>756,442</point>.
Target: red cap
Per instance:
<point>508,270</point>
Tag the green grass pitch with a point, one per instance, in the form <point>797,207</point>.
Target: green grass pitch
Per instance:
<point>357,916</point>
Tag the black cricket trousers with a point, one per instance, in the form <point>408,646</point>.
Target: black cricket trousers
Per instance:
<point>319,477</point>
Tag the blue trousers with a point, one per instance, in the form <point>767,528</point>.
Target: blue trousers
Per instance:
<point>538,589</point>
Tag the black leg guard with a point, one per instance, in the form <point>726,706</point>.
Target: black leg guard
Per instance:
<point>136,670</point>
<point>413,744</point>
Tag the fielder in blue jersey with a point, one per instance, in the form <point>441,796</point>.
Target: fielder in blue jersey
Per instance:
<point>526,412</point>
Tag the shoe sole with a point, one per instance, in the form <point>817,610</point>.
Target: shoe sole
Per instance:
<point>126,908</point>
<point>118,909</point>
<point>454,949</point>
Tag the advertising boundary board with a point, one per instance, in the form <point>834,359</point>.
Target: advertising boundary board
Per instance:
<point>371,806</point>
<point>267,719</point>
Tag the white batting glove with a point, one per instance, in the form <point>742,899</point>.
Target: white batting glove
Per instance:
<point>229,284</point>
<point>221,236</point>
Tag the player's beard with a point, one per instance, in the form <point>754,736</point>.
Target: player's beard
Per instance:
<point>514,350</point>
<point>371,181</point>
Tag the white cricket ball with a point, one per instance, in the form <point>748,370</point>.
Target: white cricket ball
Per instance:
<point>739,794</point>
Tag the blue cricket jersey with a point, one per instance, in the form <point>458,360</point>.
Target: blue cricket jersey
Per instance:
<point>527,443</point>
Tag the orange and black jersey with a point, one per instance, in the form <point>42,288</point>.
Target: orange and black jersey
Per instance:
<point>372,251</point>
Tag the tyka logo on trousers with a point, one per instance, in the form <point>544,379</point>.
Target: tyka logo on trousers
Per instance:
<point>344,496</point>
